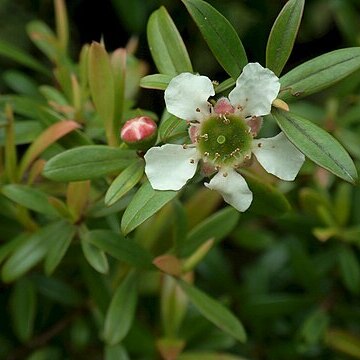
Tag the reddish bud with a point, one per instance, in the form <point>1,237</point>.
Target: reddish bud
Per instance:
<point>139,133</point>
<point>223,107</point>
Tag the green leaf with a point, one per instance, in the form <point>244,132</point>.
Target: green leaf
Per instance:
<point>21,57</point>
<point>30,252</point>
<point>267,199</point>
<point>166,46</point>
<point>116,352</point>
<point>155,81</point>
<point>44,38</point>
<point>219,34</point>
<point>344,342</point>
<point>58,290</point>
<point>25,132</point>
<point>145,203</point>
<point>124,182</point>
<point>282,36</point>
<point>23,308</point>
<point>21,83</point>
<point>319,73</point>
<point>88,162</point>
<point>62,24</point>
<point>173,129</point>
<point>30,198</point>
<point>317,144</point>
<point>10,246</point>
<point>349,269</point>
<point>121,311</point>
<point>102,89</point>
<point>120,248</point>
<point>95,257</point>
<point>60,244</point>
<point>214,312</point>
<point>314,327</point>
<point>216,227</point>
<point>225,85</point>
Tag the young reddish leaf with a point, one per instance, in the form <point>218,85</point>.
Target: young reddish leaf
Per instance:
<point>102,88</point>
<point>62,25</point>
<point>46,138</point>
<point>118,63</point>
<point>77,197</point>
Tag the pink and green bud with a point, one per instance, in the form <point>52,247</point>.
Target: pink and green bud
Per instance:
<point>139,133</point>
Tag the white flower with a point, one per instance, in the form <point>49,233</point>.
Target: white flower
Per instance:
<point>223,135</point>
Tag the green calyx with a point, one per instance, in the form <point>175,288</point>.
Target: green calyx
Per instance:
<point>225,140</point>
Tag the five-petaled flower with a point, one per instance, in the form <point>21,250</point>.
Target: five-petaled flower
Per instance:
<point>223,136</point>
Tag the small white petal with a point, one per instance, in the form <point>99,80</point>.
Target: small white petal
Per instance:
<point>278,156</point>
<point>168,167</point>
<point>186,96</point>
<point>233,189</point>
<point>256,89</point>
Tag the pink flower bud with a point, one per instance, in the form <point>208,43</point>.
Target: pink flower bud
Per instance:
<point>139,133</point>
<point>223,107</point>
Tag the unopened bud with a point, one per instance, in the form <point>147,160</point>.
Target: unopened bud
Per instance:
<point>139,133</point>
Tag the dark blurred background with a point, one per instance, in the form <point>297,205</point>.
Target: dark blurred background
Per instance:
<point>117,20</point>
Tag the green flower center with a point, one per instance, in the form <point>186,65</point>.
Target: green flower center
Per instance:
<point>225,140</point>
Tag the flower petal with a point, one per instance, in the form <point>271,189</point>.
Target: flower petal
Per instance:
<point>256,89</point>
<point>278,156</point>
<point>187,94</point>
<point>169,167</point>
<point>233,189</point>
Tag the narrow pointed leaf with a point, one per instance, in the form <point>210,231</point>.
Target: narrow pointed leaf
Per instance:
<point>145,203</point>
<point>62,24</point>
<point>121,311</point>
<point>166,45</point>
<point>45,139</point>
<point>60,244</point>
<point>87,162</point>
<point>319,73</point>
<point>343,341</point>
<point>44,38</point>
<point>282,36</point>
<point>118,62</point>
<point>216,227</point>
<point>124,182</point>
<point>220,36</point>
<point>349,269</point>
<point>30,252</point>
<point>95,257</point>
<point>30,198</point>
<point>120,248</point>
<point>102,88</point>
<point>22,58</point>
<point>25,132</point>
<point>23,308</point>
<point>214,311</point>
<point>155,81</point>
<point>318,145</point>
<point>116,352</point>
<point>172,129</point>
